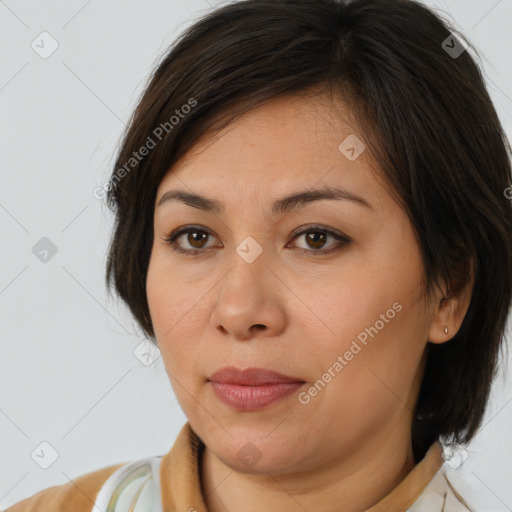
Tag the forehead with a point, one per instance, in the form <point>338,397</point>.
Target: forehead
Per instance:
<point>290,143</point>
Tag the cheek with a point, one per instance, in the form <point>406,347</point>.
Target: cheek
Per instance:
<point>375,336</point>
<point>177,317</point>
<point>168,300</point>
<point>344,307</point>
<point>372,379</point>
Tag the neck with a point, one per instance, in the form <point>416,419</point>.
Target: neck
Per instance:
<point>353,482</point>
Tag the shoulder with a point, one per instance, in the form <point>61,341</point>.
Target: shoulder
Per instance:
<point>133,486</point>
<point>443,494</point>
<point>77,495</point>
<point>130,486</point>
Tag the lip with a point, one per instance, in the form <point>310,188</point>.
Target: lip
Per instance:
<point>251,389</point>
<point>250,376</point>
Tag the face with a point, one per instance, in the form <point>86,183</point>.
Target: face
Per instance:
<point>326,292</point>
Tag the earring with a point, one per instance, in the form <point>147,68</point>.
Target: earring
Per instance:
<point>446,330</point>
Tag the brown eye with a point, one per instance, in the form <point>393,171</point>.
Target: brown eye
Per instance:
<point>316,238</point>
<point>196,238</point>
<point>193,243</point>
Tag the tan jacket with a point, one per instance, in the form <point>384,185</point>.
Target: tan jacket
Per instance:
<point>171,483</point>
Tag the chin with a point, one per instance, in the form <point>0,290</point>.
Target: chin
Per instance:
<point>258,454</point>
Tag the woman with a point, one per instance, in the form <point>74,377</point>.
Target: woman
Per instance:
<point>313,226</point>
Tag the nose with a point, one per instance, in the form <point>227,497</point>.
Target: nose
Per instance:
<point>250,301</point>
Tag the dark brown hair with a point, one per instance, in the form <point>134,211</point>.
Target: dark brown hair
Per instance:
<point>426,118</point>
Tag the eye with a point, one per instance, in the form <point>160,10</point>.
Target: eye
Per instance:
<point>195,238</point>
<point>316,238</point>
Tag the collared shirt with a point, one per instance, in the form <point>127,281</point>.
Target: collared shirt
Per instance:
<point>171,483</point>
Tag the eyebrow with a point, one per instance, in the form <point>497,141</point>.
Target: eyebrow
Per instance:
<point>282,205</point>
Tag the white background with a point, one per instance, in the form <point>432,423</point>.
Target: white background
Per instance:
<point>68,373</point>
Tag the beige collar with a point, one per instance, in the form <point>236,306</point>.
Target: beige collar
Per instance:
<point>179,470</point>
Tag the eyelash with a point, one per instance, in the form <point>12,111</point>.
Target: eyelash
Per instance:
<point>171,240</point>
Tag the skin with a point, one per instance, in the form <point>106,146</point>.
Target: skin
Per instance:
<point>294,313</point>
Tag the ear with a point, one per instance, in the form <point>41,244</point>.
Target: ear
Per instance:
<point>450,312</point>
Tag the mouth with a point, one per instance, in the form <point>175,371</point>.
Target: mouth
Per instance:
<point>252,389</point>
<point>250,376</point>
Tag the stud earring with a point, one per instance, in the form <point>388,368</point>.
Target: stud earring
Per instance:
<point>446,330</point>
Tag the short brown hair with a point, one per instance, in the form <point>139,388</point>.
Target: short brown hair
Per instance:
<point>427,119</point>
